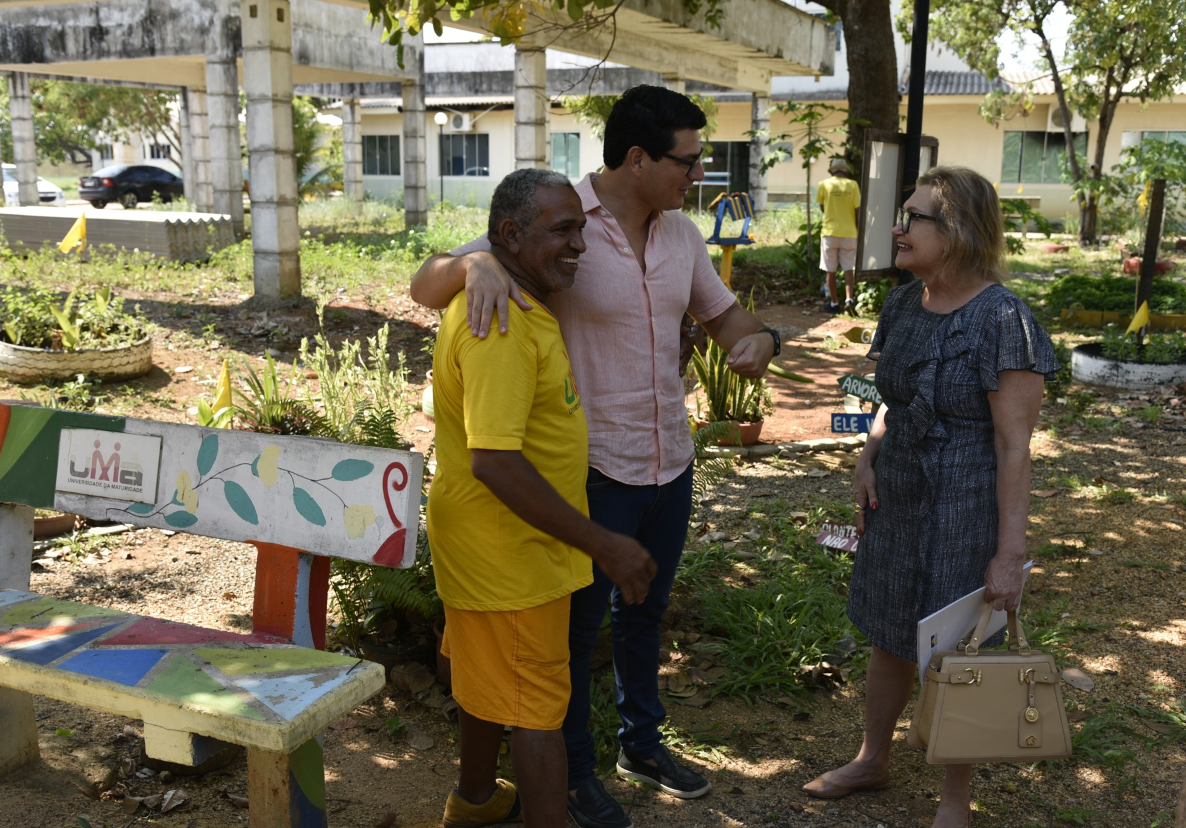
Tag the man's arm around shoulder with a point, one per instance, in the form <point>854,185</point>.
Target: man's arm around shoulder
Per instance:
<point>485,281</point>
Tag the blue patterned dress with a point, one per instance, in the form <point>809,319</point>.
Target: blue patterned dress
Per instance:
<point>935,528</point>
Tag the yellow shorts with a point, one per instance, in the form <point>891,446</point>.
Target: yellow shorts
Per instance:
<point>511,667</point>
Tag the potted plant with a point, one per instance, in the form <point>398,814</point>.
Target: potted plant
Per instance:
<point>88,333</point>
<point>727,397</point>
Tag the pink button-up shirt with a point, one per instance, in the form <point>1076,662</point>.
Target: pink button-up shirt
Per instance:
<point>621,327</point>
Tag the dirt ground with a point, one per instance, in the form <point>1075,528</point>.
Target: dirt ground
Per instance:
<point>1118,567</point>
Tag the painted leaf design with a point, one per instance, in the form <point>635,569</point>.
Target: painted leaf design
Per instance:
<point>181,519</point>
<point>207,453</point>
<point>255,466</point>
<point>307,506</point>
<point>352,469</point>
<point>240,501</point>
<point>141,508</point>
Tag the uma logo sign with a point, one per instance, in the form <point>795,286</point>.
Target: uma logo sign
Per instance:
<point>108,464</point>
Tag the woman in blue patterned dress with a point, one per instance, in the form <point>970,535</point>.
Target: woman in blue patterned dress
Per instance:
<point>942,487</point>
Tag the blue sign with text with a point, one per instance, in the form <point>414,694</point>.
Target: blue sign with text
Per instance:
<point>852,423</point>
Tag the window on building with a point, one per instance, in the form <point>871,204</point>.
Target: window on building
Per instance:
<point>380,155</point>
<point>1036,157</point>
<point>160,152</point>
<point>107,153</point>
<point>465,154</point>
<point>566,153</point>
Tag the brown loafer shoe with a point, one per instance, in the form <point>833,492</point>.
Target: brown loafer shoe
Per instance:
<point>821,788</point>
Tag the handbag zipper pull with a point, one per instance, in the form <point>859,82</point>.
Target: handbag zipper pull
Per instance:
<point>1031,712</point>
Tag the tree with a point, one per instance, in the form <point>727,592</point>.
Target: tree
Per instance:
<point>70,120</point>
<point>1115,49</point>
<point>872,69</point>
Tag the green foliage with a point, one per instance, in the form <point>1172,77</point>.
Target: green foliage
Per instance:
<point>32,317</point>
<point>729,396</point>
<point>802,255</point>
<point>363,593</point>
<point>1157,347</point>
<point>708,470</point>
<point>774,613</point>
<point>871,295</point>
<point>394,726</point>
<point>1115,50</point>
<point>70,120</point>
<point>268,405</point>
<point>1112,293</point>
<point>77,394</point>
<point>1019,215</point>
<point>1061,382</point>
<point>364,397</point>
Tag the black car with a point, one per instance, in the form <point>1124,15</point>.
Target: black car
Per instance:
<point>129,185</point>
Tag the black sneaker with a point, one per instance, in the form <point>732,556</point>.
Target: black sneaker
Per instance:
<point>591,806</point>
<point>831,307</point>
<point>665,774</point>
<point>850,307</point>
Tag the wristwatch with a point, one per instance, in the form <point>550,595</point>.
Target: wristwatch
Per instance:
<point>777,339</point>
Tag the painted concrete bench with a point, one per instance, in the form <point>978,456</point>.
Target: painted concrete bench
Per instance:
<point>300,500</point>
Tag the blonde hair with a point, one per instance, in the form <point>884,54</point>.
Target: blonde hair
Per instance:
<point>969,222</point>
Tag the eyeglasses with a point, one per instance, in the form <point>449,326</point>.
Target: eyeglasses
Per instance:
<point>691,165</point>
<point>905,217</point>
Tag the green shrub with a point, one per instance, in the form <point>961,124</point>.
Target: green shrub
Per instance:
<point>1113,293</point>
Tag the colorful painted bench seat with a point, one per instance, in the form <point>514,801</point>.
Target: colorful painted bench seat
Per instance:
<point>254,690</point>
<point>299,500</point>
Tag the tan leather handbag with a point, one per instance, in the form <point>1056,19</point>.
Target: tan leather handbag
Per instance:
<point>995,706</point>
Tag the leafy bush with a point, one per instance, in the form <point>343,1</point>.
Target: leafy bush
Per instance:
<point>872,295</point>
<point>1113,293</point>
<point>33,318</point>
<point>1158,347</point>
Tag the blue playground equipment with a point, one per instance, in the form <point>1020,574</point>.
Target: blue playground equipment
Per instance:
<point>738,207</point>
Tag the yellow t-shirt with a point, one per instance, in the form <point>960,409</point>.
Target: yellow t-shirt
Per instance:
<point>511,392</point>
<point>840,198</point>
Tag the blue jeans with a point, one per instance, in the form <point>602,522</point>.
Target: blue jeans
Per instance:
<point>657,517</point>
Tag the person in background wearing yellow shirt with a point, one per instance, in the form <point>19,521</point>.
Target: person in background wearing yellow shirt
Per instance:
<point>840,197</point>
<point>508,515</point>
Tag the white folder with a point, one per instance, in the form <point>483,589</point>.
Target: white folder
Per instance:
<point>943,629</point>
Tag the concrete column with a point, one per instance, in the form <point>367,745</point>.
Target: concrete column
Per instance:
<point>189,179</point>
<point>415,165</point>
<point>674,82</point>
<point>352,149</point>
<point>267,82</point>
<point>24,146</point>
<point>199,130</point>
<point>222,100</point>
<point>757,149</point>
<point>531,106</point>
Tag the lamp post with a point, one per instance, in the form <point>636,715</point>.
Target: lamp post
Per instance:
<point>441,119</point>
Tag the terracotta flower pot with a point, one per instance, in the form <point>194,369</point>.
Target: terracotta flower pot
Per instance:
<point>1133,266</point>
<point>738,434</point>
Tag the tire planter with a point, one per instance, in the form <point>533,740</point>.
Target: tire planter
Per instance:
<point>35,364</point>
<point>1088,364</point>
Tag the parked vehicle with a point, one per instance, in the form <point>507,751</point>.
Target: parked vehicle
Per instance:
<point>129,185</point>
<point>51,194</point>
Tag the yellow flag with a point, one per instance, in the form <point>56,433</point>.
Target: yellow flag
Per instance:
<point>76,238</point>
<point>222,395</point>
<point>1140,319</point>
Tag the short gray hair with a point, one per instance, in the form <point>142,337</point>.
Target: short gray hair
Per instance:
<point>514,197</point>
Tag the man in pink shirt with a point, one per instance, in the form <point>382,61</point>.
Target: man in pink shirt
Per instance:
<point>645,265</point>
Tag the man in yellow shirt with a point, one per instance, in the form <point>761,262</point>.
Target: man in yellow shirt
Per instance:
<point>508,515</point>
<point>840,197</point>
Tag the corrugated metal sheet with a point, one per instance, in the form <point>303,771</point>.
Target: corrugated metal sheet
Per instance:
<point>954,83</point>
<point>181,237</point>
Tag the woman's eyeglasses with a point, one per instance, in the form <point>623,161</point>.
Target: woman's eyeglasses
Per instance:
<point>905,217</point>
<point>691,165</point>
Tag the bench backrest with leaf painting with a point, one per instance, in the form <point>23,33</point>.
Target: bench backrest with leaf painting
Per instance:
<point>300,500</point>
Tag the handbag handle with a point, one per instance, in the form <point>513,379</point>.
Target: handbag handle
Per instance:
<point>1016,634</point>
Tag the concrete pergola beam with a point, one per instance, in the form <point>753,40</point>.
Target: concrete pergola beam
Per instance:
<point>131,40</point>
<point>757,40</point>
